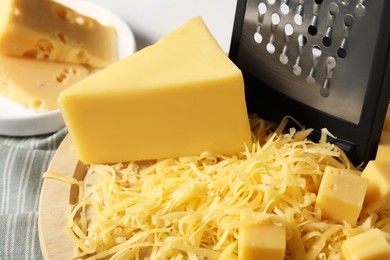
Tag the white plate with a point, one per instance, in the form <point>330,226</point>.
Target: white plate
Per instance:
<point>18,121</point>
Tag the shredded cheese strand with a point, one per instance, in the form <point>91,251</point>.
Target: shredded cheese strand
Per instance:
<point>191,207</point>
<point>60,177</point>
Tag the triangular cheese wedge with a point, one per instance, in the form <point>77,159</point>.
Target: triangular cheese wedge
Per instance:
<point>178,97</point>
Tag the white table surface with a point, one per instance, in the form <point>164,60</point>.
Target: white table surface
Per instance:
<point>151,19</point>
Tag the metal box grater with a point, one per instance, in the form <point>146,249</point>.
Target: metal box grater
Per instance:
<point>324,62</point>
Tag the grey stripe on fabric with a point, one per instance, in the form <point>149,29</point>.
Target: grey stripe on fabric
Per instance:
<point>23,160</point>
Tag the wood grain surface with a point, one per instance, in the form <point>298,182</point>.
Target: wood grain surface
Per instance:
<point>55,199</point>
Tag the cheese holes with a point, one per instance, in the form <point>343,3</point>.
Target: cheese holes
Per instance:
<point>41,50</point>
<point>62,37</point>
<point>71,16</point>
<point>30,54</point>
<point>60,11</point>
<point>81,55</point>
<point>65,74</point>
<point>44,45</point>
<point>84,21</point>
<point>61,77</point>
<point>37,103</point>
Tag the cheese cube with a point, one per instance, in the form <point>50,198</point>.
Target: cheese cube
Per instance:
<point>383,151</point>
<point>378,191</point>
<point>262,241</point>
<point>371,245</point>
<point>36,84</point>
<point>178,97</point>
<point>47,30</point>
<point>341,195</point>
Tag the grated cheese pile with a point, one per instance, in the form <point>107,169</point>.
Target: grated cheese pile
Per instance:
<point>192,207</point>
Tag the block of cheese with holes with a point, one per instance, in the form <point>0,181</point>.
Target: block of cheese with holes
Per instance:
<point>383,150</point>
<point>341,195</point>
<point>36,84</point>
<point>262,241</point>
<point>180,96</point>
<point>47,30</point>
<point>371,244</point>
<point>378,192</point>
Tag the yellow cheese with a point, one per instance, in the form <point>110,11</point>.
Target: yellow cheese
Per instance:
<point>47,30</point>
<point>383,151</point>
<point>180,96</point>
<point>378,191</point>
<point>341,195</point>
<point>262,241</point>
<point>370,245</point>
<point>36,84</point>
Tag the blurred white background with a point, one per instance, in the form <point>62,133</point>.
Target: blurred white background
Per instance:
<point>151,19</point>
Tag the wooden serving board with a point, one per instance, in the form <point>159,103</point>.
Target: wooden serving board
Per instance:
<point>55,198</point>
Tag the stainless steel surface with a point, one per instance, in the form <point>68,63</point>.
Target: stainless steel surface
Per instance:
<point>318,52</point>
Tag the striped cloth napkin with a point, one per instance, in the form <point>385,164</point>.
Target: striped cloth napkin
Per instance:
<point>23,160</point>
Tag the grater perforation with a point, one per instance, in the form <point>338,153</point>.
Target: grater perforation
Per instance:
<point>328,26</point>
<point>319,54</point>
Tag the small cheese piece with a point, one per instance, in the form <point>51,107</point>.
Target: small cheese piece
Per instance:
<point>378,191</point>
<point>44,29</point>
<point>178,97</point>
<point>341,195</point>
<point>262,241</point>
<point>370,245</point>
<point>383,151</point>
<point>36,84</point>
